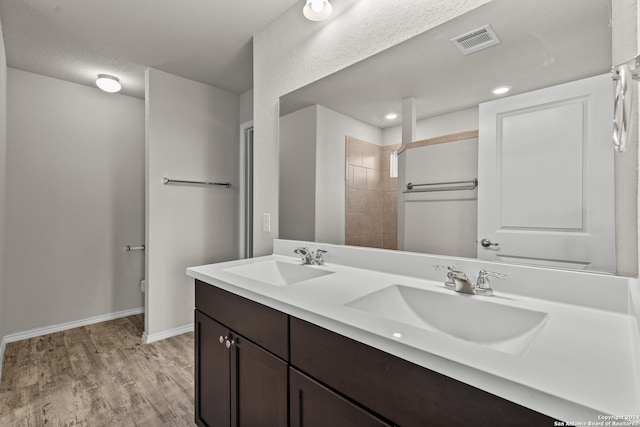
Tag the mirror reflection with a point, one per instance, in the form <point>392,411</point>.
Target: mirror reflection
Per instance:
<point>386,153</point>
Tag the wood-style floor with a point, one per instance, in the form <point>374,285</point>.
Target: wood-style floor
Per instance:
<point>98,375</point>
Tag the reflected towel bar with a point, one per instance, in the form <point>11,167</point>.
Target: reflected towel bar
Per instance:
<point>624,101</point>
<point>634,67</point>
<point>179,181</point>
<point>470,185</point>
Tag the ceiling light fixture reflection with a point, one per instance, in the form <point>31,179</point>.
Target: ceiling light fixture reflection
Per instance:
<point>108,83</point>
<point>317,10</point>
<point>391,116</point>
<point>500,90</point>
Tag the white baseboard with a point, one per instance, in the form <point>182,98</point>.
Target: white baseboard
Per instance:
<point>149,338</point>
<point>19,336</point>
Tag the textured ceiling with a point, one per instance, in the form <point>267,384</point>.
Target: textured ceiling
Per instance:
<point>203,40</point>
<point>544,42</point>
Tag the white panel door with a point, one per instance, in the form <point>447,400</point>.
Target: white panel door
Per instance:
<point>545,172</point>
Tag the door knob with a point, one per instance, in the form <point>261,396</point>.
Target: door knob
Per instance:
<point>486,243</point>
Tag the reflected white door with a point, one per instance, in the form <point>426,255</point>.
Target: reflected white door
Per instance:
<point>546,178</point>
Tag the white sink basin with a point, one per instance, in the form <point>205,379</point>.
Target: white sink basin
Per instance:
<point>475,319</point>
<point>277,273</point>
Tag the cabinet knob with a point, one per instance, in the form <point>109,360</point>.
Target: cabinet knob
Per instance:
<point>222,339</point>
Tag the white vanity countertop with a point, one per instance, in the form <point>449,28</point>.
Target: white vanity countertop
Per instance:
<point>581,366</point>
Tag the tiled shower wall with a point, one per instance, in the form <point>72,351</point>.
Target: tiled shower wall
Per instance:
<point>371,196</point>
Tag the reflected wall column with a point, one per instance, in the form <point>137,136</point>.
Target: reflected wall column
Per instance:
<point>625,41</point>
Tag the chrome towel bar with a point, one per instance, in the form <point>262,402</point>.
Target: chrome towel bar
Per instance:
<point>437,186</point>
<point>166,181</point>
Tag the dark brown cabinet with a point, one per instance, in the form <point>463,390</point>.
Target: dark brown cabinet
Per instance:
<point>256,366</point>
<point>398,390</point>
<point>237,382</point>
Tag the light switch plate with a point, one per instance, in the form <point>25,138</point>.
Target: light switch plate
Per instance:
<point>266,222</point>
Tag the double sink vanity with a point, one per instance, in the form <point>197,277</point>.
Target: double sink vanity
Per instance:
<point>369,337</point>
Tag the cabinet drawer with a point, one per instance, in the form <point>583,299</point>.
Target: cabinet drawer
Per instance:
<point>405,393</point>
<point>264,326</point>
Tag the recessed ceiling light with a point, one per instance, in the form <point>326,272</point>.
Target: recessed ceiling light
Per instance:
<point>108,83</point>
<point>500,90</point>
<point>317,10</point>
<point>391,116</point>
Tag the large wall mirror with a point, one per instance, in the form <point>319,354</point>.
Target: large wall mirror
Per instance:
<point>352,174</point>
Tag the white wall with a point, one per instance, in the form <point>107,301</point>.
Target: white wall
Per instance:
<point>312,172</point>
<point>331,131</point>
<point>282,63</point>
<point>246,106</point>
<point>297,204</point>
<point>432,127</point>
<point>192,133</point>
<point>75,198</point>
<point>3,172</point>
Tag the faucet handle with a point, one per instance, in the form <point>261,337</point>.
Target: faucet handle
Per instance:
<point>484,274</point>
<point>450,270</point>
<point>318,259</point>
<point>482,285</point>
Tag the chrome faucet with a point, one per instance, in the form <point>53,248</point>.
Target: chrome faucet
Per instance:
<point>310,257</point>
<point>307,256</point>
<point>459,282</point>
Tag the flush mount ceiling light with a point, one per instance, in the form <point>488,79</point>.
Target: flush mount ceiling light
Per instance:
<point>317,10</point>
<point>108,83</point>
<point>391,116</point>
<point>500,90</point>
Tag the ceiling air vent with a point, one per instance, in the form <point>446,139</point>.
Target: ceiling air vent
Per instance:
<point>476,40</point>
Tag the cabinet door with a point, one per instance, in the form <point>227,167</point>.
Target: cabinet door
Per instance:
<point>313,405</point>
<point>258,386</point>
<point>212,377</point>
